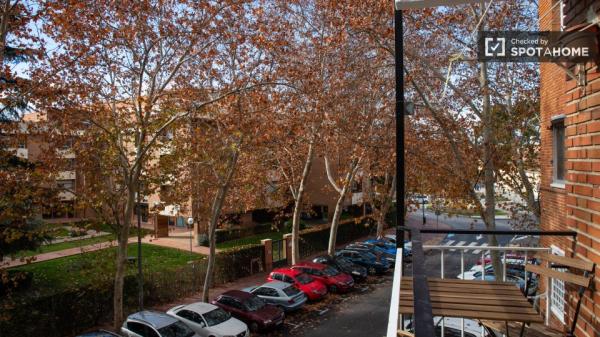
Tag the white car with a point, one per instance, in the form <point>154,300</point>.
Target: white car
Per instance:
<point>208,320</point>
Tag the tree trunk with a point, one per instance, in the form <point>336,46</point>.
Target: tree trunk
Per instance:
<point>385,206</point>
<point>298,205</point>
<point>212,226</point>
<point>121,259</point>
<point>489,177</point>
<point>335,221</point>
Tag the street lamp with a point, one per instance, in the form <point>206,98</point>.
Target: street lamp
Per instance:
<point>190,222</point>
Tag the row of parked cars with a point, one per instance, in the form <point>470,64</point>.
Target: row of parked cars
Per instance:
<point>235,313</point>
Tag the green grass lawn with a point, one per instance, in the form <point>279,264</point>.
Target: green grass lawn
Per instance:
<point>250,240</point>
<point>98,267</point>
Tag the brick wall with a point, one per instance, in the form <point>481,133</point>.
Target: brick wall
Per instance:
<point>577,205</point>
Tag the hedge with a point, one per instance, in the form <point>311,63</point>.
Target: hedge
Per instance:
<point>223,235</point>
<point>314,241</point>
<point>74,311</point>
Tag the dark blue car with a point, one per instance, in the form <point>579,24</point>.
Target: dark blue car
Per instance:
<point>370,248</point>
<point>365,259</point>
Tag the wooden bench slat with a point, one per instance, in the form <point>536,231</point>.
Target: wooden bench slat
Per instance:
<point>506,291</point>
<point>564,276</point>
<point>478,315</point>
<point>477,307</point>
<point>567,261</point>
<point>479,301</point>
<point>470,296</point>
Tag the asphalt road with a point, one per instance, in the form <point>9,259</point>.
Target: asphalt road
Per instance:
<point>363,312</point>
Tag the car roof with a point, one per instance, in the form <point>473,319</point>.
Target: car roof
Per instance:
<point>276,285</point>
<point>288,271</point>
<point>242,295</point>
<point>200,307</point>
<point>310,264</point>
<point>155,319</point>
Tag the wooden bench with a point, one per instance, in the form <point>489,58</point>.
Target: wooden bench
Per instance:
<point>582,279</point>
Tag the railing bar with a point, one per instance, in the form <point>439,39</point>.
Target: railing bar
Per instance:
<point>504,267</point>
<point>499,232</point>
<point>483,265</point>
<point>462,273</point>
<point>392,330</point>
<point>423,316</point>
<point>442,264</point>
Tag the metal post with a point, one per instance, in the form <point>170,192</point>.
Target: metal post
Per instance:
<point>139,253</point>
<point>424,219</point>
<point>400,192</point>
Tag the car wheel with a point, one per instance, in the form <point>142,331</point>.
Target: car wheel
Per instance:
<point>372,271</point>
<point>333,289</point>
<point>253,326</point>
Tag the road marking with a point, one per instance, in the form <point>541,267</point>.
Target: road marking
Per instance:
<point>449,242</point>
<point>458,244</point>
<point>479,250</point>
<point>470,245</point>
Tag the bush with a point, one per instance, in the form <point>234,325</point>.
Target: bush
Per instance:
<point>288,226</point>
<point>315,241</point>
<point>223,235</point>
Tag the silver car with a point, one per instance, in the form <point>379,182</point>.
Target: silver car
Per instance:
<point>282,294</point>
<point>154,323</point>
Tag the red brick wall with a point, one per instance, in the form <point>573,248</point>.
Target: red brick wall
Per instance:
<point>577,206</point>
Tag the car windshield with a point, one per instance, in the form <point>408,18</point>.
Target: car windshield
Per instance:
<point>328,271</point>
<point>291,291</point>
<point>216,316</point>
<point>176,329</point>
<point>254,303</point>
<point>304,279</point>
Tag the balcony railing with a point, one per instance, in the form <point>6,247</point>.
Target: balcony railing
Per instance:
<point>423,320</point>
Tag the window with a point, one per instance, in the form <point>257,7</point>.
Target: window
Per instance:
<point>191,316</point>
<point>277,276</point>
<point>66,184</point>
<point>22,145</point>
<point>264,291</point>
<point>137,328</point>
<point>288,279</point>
<point>557,299</point>
<point>558,150</point>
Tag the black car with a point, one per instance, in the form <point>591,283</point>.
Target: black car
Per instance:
<point>358,273</point>
<point>365,259</point>
<point>99,333</point>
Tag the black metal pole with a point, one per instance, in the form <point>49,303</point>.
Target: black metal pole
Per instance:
<point>399,59</point>
<point>139,253</point>
<point>424,219</point>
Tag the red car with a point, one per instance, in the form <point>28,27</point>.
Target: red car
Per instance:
<point>313,289</point>
<point>250,309</point>
<point>335,280</point>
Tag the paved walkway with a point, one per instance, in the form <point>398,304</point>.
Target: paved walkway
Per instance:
<point>60,253</point>
<point>178,239</point>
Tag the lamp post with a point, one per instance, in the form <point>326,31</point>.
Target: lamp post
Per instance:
<point>423,207</point>
<point>139,252</point>
<point>190,222</point>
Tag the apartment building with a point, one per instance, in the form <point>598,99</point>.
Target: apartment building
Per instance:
<point>570,161</point>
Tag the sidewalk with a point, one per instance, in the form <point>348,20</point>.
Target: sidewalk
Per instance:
<point>178,240</point>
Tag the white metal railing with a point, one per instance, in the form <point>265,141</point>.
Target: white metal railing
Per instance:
<point>393,324</point>
<point>392,330</point>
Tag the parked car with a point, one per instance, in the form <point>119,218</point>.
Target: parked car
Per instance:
<point>250,309</point>
<point>335,280</point>
<point>153,324</point>
<point>209,320</point>
<point>365,247</point>
<point>358,273</point>
<point>313,289</point>
<point>476,271</point>
<point>381,245</point>
<point>99,333</point>
<point>366,260</point>
<point>284,295</point>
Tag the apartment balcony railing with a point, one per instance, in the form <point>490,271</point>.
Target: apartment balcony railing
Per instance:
<point>423,322</point>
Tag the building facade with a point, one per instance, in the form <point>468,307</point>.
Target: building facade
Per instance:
<point>570,163</point>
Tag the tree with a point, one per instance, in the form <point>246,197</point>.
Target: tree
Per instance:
<point>119,66</point>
